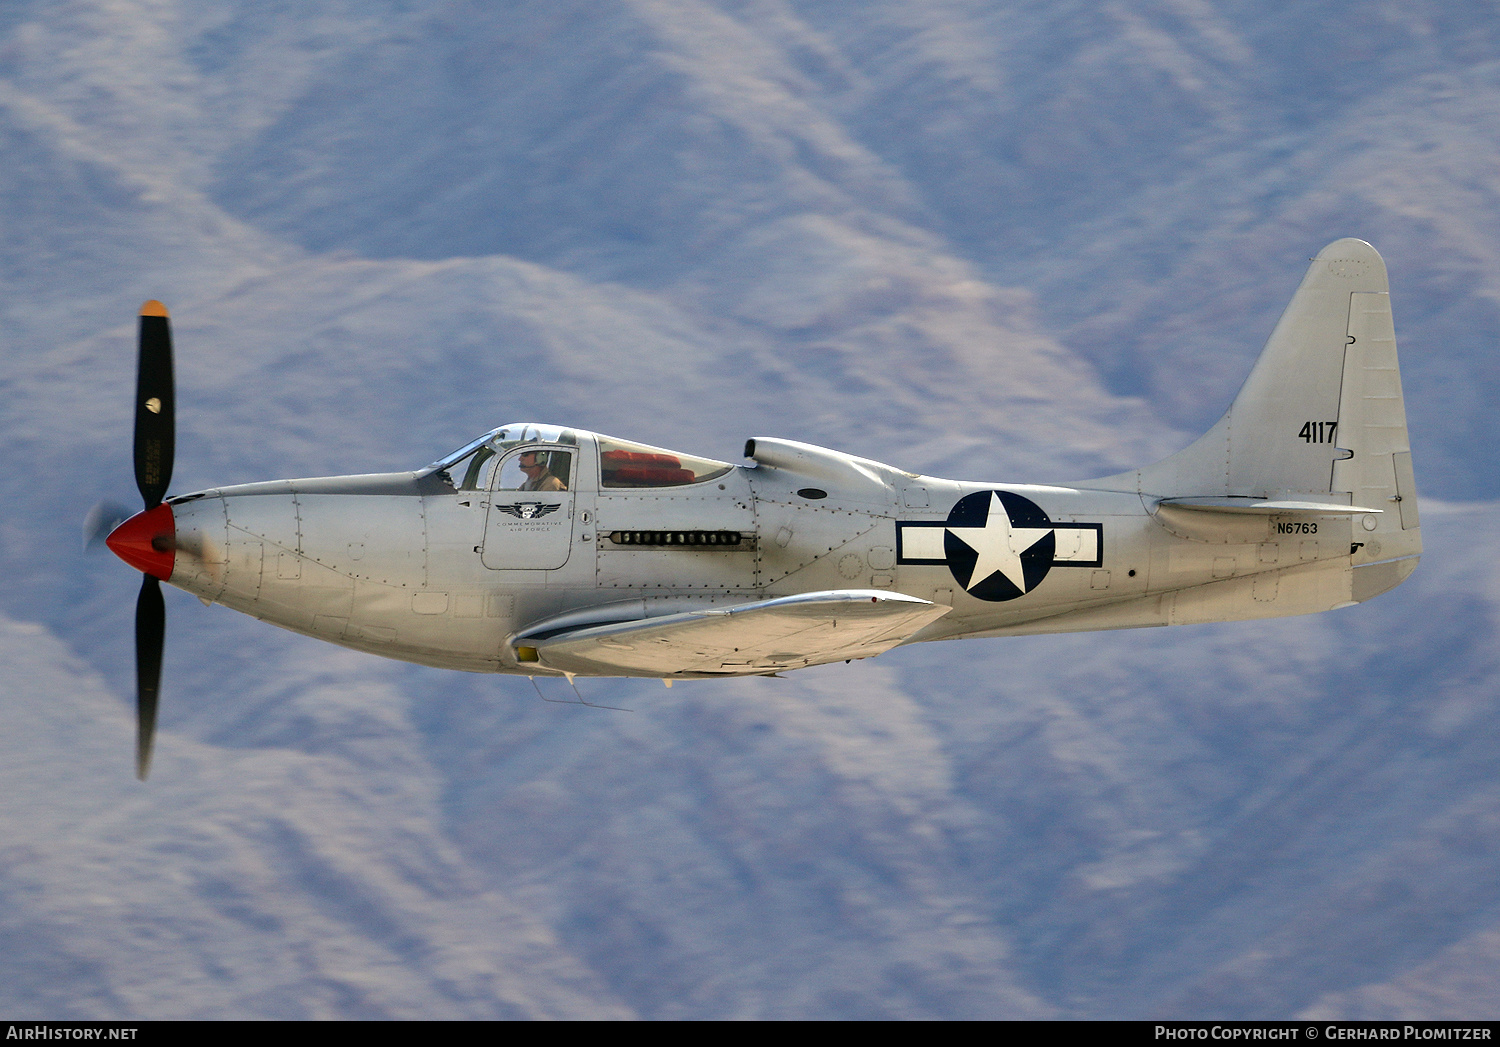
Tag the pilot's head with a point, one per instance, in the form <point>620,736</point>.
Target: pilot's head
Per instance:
<point>532,462</point>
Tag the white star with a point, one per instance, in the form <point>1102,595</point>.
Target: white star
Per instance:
<point>999,545</point>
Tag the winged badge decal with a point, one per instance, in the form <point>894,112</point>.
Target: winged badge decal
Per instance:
<point>528,510</point>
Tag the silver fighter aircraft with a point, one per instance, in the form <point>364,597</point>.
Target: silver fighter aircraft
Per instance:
<point>547,551</point>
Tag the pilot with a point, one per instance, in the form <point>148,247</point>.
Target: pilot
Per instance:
<point>538,476</point>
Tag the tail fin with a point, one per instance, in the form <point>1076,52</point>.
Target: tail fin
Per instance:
<point>1320,419</point>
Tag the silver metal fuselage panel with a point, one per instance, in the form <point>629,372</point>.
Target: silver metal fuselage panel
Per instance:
<point>421,572</point>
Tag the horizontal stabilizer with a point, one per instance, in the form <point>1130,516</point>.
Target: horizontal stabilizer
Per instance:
<point>743,639</point>
<point>1262,507</point>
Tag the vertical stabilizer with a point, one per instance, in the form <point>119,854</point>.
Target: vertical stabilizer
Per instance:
<point>1286,429</point>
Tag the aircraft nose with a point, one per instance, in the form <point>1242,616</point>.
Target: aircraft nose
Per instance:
<point>147,541</point>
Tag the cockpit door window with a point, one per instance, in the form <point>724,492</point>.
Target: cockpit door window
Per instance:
<point>537,469</point>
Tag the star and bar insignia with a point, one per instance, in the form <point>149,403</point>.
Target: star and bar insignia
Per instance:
<point>998,544</point>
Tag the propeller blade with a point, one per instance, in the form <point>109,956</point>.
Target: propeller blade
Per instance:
<point>155,406</point>
<point>150,635</point>
<point>103,518</point>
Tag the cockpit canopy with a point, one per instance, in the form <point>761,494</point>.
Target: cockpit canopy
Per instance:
<point>622,463</point>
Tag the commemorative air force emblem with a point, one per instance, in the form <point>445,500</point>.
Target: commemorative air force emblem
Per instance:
<point>527,510</point>
<point>999,545</point>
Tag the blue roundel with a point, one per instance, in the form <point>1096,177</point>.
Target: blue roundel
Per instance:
<point>999,545</point>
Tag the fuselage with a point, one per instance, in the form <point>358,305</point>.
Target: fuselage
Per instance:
<point>455,565</point>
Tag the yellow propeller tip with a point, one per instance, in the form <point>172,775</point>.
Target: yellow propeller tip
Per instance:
<point>153,308</point>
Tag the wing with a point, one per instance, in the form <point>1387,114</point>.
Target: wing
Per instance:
<point>743,639</point>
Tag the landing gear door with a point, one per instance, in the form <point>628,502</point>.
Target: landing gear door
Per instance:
<point>529,525</point>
